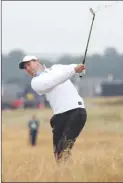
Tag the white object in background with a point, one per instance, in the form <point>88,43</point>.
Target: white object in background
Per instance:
<point>110,77</point>
<point>98,89</point>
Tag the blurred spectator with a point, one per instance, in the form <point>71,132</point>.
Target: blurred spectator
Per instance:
<point>33,125</point>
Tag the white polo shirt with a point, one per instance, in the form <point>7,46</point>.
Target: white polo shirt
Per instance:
<point>55,83</point>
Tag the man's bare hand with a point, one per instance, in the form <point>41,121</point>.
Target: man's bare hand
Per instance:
<point>79,68</point>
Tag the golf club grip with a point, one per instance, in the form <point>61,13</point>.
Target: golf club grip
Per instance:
<point>83,61</point>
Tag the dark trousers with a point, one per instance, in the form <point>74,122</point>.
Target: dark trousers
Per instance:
<point>33,137</point>
<point>66,128</point>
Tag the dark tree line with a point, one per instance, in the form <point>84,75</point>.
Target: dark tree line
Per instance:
<point>111,62</point>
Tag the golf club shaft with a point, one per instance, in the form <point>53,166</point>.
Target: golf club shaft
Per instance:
<point>84,58</point>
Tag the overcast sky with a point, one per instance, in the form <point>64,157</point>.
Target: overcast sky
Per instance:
<point>60,27</point>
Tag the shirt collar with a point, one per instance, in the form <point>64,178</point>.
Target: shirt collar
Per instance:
<point>40,72</point>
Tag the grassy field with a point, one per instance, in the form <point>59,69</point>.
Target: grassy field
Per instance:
<point>97,154</point>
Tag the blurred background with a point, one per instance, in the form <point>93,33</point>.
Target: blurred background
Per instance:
<point>57,32</point>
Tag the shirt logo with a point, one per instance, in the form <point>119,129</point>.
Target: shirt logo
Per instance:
<point>80,103</point>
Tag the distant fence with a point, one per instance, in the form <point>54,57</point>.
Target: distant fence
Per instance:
<point>94,86</point>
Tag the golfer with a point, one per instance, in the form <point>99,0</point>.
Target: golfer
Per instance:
<point>68,107</point>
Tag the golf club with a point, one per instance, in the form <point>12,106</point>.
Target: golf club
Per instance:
<point>84,58</point>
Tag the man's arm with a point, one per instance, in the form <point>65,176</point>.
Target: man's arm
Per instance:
<point>47,81</point>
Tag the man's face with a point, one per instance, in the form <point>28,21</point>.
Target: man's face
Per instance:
<point>32,66</point>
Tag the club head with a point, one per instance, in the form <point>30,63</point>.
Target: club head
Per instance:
<point>91,10</point>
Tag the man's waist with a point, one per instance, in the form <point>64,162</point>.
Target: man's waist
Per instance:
<point>65,108</point>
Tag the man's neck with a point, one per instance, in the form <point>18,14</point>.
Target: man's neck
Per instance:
<point>40,70</point>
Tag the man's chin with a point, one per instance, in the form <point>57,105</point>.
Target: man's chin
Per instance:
<point>33,74</point>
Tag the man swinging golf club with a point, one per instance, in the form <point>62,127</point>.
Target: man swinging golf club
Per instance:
<point>68,107</point>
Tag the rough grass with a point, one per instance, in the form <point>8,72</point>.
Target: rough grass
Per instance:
<point>97,154</point>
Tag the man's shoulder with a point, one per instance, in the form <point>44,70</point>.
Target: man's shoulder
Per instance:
<point>32,81</point>
<point>35,79</point>
<point>56,66</point>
